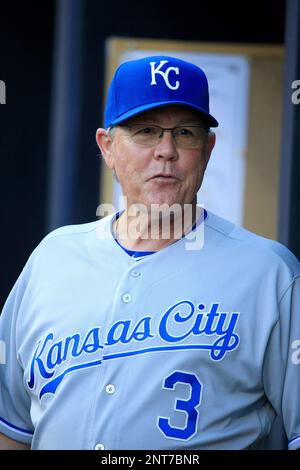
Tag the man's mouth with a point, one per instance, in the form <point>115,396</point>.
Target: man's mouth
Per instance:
<point>163,177</point>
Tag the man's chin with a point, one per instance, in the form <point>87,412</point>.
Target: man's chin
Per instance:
<point>162,199</point>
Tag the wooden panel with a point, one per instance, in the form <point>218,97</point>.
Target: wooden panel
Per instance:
<point>263,158</point>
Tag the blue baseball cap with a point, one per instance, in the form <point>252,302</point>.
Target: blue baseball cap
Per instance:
<point>151,82</point>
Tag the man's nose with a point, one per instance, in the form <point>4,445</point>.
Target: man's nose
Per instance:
<point>166,146</point>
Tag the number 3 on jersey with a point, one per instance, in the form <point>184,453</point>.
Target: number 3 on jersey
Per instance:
<point>184,406</point>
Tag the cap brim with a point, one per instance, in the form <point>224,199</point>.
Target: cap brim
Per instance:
<point>209,119</point>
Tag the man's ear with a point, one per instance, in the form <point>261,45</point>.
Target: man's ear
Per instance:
<point>104,142</point>
<point>210,143</point>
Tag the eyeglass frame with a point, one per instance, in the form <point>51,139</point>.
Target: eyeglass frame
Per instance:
<point>163,129</point>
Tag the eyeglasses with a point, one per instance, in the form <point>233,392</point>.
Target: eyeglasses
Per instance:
<point>148,135</point>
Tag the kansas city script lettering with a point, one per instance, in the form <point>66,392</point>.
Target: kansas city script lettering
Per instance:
<point>183,320</point>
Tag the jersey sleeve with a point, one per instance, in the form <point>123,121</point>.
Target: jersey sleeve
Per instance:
<point>15,421</point>
<point>281,374</point>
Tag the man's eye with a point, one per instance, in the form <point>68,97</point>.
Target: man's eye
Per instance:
<point>184,131</point>
<point>146,130</point>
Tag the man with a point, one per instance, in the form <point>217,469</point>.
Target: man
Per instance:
<point>163,326</point>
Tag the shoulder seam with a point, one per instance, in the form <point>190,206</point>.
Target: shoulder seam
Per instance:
<point>287,288</point>
<point>60,234</point>
<point>266,247</point>
<point>217,229</point>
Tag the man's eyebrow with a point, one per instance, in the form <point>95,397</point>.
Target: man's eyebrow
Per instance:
<point>182,122</point>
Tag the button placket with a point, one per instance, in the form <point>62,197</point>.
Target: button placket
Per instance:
<point>135,273</point>
<point>99,446</point>
<point>126,298</point>
<point>110,389</point>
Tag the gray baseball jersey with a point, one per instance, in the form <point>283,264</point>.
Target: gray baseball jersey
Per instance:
<point>183,349</point>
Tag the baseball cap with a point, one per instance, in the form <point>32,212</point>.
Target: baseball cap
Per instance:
<point>154,81</point>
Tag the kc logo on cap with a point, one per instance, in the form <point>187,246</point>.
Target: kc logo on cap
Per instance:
<point>155,81</point>
<point>165,74</point>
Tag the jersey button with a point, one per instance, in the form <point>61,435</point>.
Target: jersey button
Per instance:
<point>126,298</point>
<point>110,388</point>
<point>135,273</point>
<point>99,447</point>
